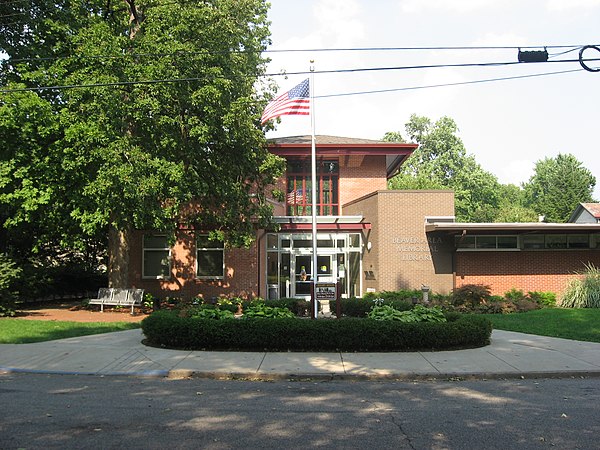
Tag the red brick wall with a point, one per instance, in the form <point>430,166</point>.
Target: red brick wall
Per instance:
<point>360,175</point>
<point>241,271</point>
<point>546,271</point>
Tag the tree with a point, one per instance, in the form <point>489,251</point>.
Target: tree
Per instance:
<point>512,206</point>
<point>129,150</point>
<point>557,186</point>
<point>441,162</point>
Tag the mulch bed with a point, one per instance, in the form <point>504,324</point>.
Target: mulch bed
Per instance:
<point>73,311</point>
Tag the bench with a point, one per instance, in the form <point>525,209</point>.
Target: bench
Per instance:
<point>118,297</point>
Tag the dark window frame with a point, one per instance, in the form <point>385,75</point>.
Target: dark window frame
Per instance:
<point>299,189</point>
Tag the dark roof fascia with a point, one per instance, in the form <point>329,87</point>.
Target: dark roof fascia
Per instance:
<point>512,228</point>
<point>342,149</point>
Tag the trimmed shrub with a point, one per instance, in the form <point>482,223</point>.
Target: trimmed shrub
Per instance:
<point>167,329</point>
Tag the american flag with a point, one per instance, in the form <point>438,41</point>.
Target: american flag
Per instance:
<point>295,101</point>
<point>295,197</point>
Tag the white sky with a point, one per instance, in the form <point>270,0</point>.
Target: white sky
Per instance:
<point>507,125</point>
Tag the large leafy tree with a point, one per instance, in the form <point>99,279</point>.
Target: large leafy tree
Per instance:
<point>557,186</point>
<point>154,120</point>
<point>512,206</point>
<point>441,162</point>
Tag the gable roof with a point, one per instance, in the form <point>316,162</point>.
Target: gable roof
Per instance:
<point>592,208</point>
<point>395,152</point>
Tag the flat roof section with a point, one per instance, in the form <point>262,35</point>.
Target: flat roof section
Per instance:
<point>324,223</point>
<point>512,228</point>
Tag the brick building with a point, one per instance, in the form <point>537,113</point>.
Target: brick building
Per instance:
<point>369,238</point>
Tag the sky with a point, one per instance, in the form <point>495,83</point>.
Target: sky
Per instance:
<point>507,125</point>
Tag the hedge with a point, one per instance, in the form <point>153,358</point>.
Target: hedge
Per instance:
<point>167,329</point>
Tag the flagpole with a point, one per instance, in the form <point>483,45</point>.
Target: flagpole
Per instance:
<point>313,156</point>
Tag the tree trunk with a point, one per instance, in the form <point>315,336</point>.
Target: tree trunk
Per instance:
<point>118,257</point>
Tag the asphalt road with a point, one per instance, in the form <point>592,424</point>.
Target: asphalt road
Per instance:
<point>68,412</point>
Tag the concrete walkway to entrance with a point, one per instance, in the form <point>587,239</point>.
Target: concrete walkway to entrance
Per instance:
<point>510,355</point>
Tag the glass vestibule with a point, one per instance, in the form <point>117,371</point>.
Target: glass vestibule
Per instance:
<point>289,263</point>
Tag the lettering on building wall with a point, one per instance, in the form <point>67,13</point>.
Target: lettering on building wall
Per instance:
<point>413,248</point>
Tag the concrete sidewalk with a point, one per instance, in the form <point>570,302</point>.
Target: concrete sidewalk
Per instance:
<point>510,355</point>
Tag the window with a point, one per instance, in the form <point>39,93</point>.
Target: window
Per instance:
<point>533,241</point>
<point>210,261</point>
<point>579,241</point>
<point>299,187</point>
<point>556,241</point>
<point>487,242</point>
<point>156,256</point>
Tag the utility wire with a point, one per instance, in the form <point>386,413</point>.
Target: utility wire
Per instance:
<point>356,49</point>
<point>183,80</point>
<point>427,66</point>
<point>379,91</point>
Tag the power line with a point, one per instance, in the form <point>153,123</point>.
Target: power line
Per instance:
<point>183,80</point>
<point>316,50</point>
<point>379,91</point>
<point>426,66</point>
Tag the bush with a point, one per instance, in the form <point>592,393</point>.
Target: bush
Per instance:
<point>267,312</point>
<point>583,292</point>
<point>211,313</point>
<point>514,295</point>
<point>419,313</point>
<point>10,276</point>
<point>544,299</point>
<point>299,307</point>
<point>360,307</point>
<point>167,329</point>
<point>403,295</point>
<point>471,295</point>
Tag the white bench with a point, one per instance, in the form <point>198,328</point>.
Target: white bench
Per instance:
<point>118,297</point>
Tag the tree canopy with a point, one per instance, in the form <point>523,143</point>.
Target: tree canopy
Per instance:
<point>441,162</point>
<point>558,186</point>
<point>152,108</point>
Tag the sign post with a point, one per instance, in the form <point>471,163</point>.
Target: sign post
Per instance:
<point>325,292</point>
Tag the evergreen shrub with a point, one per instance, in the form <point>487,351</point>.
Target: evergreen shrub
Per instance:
<point>10,276</point>
<point>168,329</point>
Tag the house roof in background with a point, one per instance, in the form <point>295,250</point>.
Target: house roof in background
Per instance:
<point>592,208</point>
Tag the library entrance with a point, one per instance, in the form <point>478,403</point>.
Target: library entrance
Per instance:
<point>289,263</point>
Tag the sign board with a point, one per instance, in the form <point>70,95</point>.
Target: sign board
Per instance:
<point>325,291</point>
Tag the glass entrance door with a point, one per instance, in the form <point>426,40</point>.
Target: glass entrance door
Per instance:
<point>289,263</point>
<point>302,271</point>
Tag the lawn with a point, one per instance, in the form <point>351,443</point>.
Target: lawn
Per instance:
<point>20,331</point>
<point>577,324</point>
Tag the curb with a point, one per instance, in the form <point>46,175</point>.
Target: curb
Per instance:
<point>252,376</point>
<point>143,373</point>
<point>178,374</point>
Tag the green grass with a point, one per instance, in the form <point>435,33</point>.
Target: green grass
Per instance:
<point>578,324</point>
<point>20,331</point>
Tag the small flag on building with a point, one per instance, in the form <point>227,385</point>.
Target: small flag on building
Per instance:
<point>295,101</point>
<point>295,197</point>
